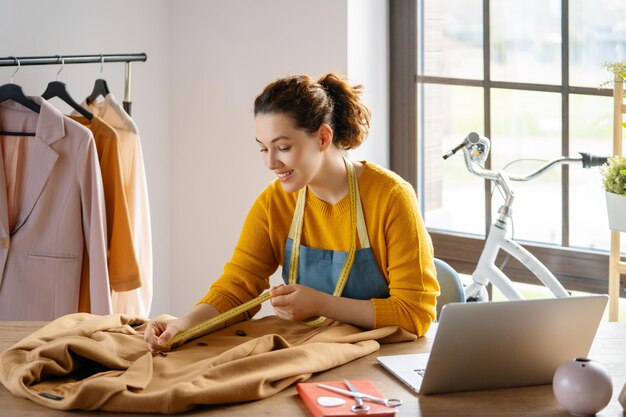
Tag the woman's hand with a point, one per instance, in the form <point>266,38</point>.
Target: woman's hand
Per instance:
<point>298,302</point>
<point>159,331</point>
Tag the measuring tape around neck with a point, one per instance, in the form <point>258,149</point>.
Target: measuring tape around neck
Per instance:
<point>295,247</point>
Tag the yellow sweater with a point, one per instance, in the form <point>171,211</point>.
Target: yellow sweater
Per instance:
<point>398,237</point>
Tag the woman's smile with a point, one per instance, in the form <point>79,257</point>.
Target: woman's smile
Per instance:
<point>283,176</point>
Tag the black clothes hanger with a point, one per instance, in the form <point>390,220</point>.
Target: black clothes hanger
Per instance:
<point>14,92</point>
<point>100,87</point>
<point>59,89</point>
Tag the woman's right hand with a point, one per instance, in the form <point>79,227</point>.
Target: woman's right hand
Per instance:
<point>159,331</point>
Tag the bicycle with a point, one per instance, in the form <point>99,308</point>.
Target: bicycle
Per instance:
<point>475,151</point>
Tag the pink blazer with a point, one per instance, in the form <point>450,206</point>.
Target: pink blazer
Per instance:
<point>58,208</point>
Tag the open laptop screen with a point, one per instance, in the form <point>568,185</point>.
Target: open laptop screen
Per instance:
<point>503,344</point>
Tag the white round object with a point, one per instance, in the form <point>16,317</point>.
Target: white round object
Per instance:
<point>622,398</point>
<point>582,386</point>
<point>330,401</point>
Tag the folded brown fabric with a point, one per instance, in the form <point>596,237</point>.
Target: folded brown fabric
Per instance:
<point>86,362</point>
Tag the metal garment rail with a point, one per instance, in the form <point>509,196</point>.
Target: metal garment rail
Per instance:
<point>18,61</point>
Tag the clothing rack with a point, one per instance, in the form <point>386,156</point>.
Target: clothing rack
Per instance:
<point>18,61</point>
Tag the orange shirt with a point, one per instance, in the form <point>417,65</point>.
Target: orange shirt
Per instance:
<point>399,240</point>
<point>122,261</point>
<point>137,301</point>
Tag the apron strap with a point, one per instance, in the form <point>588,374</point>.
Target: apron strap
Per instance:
<point>360,217</point>
<point>295,233</point>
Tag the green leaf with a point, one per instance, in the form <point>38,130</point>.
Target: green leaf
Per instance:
<point>614,175</point>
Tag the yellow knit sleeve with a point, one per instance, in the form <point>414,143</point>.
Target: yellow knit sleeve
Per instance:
<point>413,286</point>
<point>253,261</point>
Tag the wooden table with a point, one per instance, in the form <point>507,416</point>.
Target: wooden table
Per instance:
<point>609,348</point>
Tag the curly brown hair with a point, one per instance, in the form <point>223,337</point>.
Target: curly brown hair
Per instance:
<point>331,100</point>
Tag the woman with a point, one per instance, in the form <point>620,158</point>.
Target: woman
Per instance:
<point>356,231</point>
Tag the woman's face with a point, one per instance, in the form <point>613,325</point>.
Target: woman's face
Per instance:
<point>293,154</point>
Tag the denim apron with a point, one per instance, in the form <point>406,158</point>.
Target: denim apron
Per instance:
<point>352,274</point>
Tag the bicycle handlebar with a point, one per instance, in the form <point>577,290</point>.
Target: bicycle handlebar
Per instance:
<point>472,138</point>
<point>476,148</point>
<point>562,160</point>
<point>593,160</point>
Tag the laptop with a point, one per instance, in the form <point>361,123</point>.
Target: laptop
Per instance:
<point>501,344</point>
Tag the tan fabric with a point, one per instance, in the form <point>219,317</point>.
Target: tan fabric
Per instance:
<point>103,363</point>
<point>59,207</point>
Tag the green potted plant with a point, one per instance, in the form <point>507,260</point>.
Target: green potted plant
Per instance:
<point>614,181</point>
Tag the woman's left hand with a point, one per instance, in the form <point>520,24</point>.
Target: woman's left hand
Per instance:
<point>297,302</point>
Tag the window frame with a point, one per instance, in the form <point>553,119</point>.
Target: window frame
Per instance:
<point>577,269</point>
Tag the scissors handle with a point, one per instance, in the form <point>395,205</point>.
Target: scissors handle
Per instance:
<point>389,402</point>
<point>393,402</point>
<point>359,407</point>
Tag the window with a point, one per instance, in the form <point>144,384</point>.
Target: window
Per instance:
<point>526,75</point>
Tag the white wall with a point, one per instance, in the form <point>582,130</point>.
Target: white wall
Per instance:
<point>368,64</point>
<point>193,98</point>
<point>227,52</point>
<point>78,27</point>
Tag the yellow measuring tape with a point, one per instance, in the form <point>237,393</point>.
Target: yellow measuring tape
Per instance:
<point>200,329</point>
<point>295,247</point>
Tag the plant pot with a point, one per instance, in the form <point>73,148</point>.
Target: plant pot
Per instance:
<point>616,209</point>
